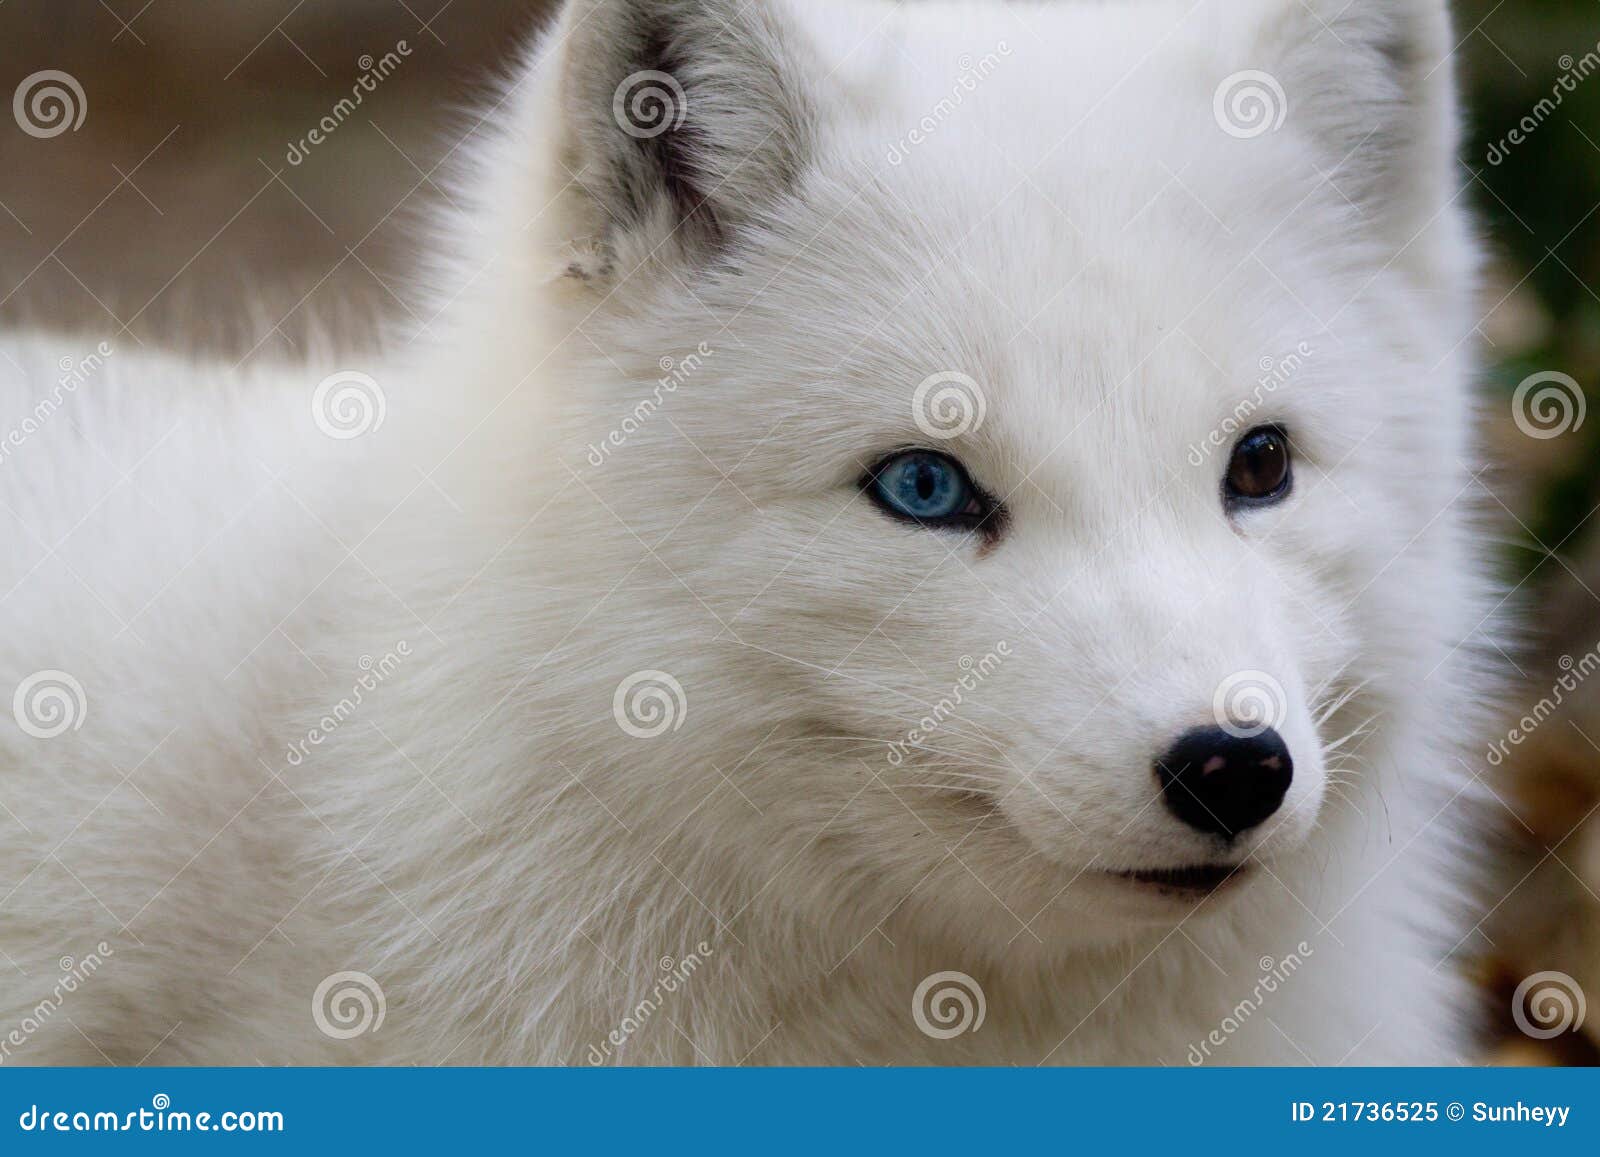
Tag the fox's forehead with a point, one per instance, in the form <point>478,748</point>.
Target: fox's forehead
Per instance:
<point>1108,113</point>
<point>922,277</point>
<point>1083,296</point>
<point>1018,84</point>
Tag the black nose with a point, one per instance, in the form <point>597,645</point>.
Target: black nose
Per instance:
<point>1223,783</point>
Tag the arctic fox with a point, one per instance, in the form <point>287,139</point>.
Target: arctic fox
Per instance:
<point>935,533</point>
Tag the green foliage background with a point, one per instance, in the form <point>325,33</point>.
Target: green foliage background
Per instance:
<point>1541,206</point>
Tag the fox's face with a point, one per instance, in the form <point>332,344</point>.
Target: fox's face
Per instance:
<point>1011,431</point>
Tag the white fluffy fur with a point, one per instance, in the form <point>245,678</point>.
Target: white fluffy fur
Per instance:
<point>483,839</point>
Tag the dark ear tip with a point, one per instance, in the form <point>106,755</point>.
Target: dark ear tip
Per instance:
<point>660,100</point>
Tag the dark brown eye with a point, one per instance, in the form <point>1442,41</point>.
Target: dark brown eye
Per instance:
<point>1259,471</point>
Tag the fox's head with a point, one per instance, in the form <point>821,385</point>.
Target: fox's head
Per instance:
<point>991,447</point>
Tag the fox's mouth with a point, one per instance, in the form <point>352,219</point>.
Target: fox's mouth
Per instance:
<point>1197,880</point>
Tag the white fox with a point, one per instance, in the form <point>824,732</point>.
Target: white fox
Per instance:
<point>933,534</point>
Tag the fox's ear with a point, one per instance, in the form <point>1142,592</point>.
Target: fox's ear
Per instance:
<point>682,121</point>
<point>1372,82</point>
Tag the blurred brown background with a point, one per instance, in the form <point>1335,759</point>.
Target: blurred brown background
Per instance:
<point>175,213</point>
<point>175,208</point>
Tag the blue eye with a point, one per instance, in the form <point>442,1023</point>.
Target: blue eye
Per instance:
<point>929,488</point>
